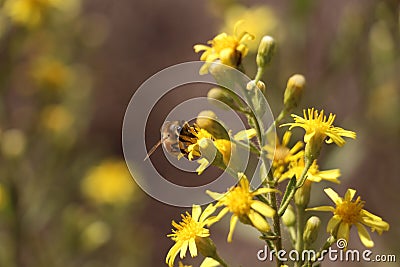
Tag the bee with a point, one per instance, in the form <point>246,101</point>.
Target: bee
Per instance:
<point>176,136</point>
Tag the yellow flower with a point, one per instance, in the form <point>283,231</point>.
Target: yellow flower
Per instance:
<point>51,73</point>
<point>239,200</point>
<point>3,197</point>
<point>57,119</point>
<point>230,49</point>
<point>350,212</point>
<point>109,183</point>
<point>318,128</point>
<point>225,148</point>
<point>207,262</point>
<point>313,174</point>
<point>180,264</point>
<point>29,13</point>
<point>193,149</point>
<point>190,232</point>
<point>259,20</point>
<point>281,155</point>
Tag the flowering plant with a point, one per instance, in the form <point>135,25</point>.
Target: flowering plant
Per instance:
<point>266,208</point>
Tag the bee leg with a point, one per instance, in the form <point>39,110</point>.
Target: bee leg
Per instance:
<point>175,148</point>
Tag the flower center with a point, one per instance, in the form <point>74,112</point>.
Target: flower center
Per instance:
<point>350,211</point>
<point>188,228</point>
<point>238,201</point>
<point>281,154</point>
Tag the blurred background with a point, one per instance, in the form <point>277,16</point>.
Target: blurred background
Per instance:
<point>69,68</point>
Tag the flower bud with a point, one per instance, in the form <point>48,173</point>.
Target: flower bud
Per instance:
<point>208,121</point>
<point>265,51</point>
<point>206,247</point>
<point>260,85</point>
<point>209,151</point>
<point>313,149</point>
<point>311,230</point>
<point>293,92</point>
<point>217,95</point>
<point>289,217</point>
<point>302,195</point>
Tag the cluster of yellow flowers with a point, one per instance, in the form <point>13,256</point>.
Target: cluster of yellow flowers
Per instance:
<point>297,163</point>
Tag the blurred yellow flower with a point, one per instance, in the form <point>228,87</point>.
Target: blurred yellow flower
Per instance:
<point>30,13</point>
<point>349,212</point>
<point>13,143</point>
<point>230,49</point>
<point>259,20</point>
<point>109,183</point>
<point>51,73</point>
<point>3,196</point>
<point>280,153</point>
<point>313,174</point>
<point>57,118</point>
<point>239,200</point>
<point>95,234</point>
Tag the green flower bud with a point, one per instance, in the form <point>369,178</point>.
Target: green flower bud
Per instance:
<point>260,85</point>
<point>265,52</point>
<point>206,247</point>
<point>289,217</point>
<point>209,151</point>
<point>223,95</point>
<point>312,150</point>
<point>311,230</point>
<point>293,92</point>
<point>302,195</point>
<point>208,121</point>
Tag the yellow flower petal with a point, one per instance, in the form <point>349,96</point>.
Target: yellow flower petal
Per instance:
<point>184,248</point>
<point>343,231</point>
<point>232,226</point>
<point>322,208</point>
<point>258,221</point>
<point>196,211</point>
<point>263,208</point>
<point>209,262</point>
<point>333,195</point>
<point>207,212</point>
<point>350,193</point>
<point>192,248</point>
<point>364,236</point>
<point>333,223</point>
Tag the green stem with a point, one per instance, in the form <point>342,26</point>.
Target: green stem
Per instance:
<point>329,242</point>
<point>299,231</point>
<point>260,72</point>
<point>277,120</point>
<point>299,184</point>
<point>250,147</point>
<point>220,260</point>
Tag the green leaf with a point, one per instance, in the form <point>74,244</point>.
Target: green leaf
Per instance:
<point>289,193</point>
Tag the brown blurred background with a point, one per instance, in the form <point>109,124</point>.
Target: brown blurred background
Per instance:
<point>349,52</point>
